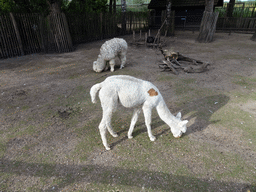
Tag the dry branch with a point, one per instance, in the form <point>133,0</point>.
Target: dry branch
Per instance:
<point>175,60</point>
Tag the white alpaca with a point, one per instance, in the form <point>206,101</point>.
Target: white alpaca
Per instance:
<point>111,49</point>
<point>133,93</point>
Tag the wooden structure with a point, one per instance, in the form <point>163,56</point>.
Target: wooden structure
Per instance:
<point>31,33</point>
<point>187,12</point>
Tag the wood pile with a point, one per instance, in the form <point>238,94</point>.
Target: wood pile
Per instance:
<point>174,62</point>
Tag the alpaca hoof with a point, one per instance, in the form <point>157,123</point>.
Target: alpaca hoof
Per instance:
<point>130,136</point>
<point>107,148</point>
<point>115,135</point>
<point>152,138</point>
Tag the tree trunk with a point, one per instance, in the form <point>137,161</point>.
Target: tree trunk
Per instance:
<point>209,5</point>
<point>208,23</point>
<point>58,28</point>
<point>168,18</point>
<point>230,8</point>
<point>54,6</point>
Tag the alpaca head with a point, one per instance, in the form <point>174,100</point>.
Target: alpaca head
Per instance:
<point>181,126</point>
<point>98,66</point>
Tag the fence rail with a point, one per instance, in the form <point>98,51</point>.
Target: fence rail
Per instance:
<point>231,23</point>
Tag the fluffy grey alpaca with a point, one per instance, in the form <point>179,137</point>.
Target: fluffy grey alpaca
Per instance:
<point>133,93</point>
<point>111,49</point>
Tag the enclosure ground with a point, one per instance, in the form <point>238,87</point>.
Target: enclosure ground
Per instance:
<point>50,141</point>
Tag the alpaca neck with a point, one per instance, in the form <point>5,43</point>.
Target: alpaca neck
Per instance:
<point>165,114</point>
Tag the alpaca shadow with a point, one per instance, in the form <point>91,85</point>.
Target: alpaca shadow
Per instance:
<point>202,109</point>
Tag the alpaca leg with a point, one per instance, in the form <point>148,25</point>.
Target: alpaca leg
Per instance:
<point>123,60</point>
<point>106,65</point>
<point>108,124</point>
<point>103,134</point>
<point>134,120</point>
<point>147,114</point>
<point>112,65</point>
<point>108,99</point>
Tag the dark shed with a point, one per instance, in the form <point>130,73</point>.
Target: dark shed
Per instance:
<point>187,12</point>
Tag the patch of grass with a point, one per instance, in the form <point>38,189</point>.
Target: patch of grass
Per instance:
<point>165,78</point>
<point>74,76</point>
<point>188,91</point>
<point>4,180</point>
<point>89,139</point>
<point>235,117</point>
<point>25,107</point>
<point>34,188</point>
<point>45,170</point>
<point>245,82</point>
<point>178,161</point>
<point>2,148</point>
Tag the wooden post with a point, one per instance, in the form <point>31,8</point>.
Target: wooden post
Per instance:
<point>41,27</point>
<point>123,5</point>
<point>4,42</point>
<point>17,33</point>
<point>101,26</point>
<point>172,27</point>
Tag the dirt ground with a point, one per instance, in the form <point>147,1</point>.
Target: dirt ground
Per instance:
<point>43,97</point>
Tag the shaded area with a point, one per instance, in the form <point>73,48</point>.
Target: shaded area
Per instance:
<point>204,108</point>
<point>120,176</point>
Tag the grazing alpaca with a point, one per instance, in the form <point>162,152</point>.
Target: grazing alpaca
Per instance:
<point>111,49</point>
<point>133,93</point>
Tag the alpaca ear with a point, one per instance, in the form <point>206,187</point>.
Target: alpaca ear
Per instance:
<point>184,122</point>
<point>179,115</point>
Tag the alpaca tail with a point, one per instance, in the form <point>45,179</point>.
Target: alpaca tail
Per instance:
<point>94,90</point>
